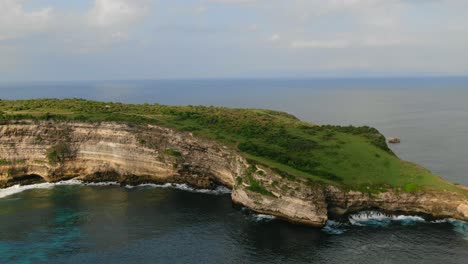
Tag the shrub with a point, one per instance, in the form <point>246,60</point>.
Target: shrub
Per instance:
<point>239,180</point>
<point>173,153</point>
<point>411,187</point>
<point>256,186</point>
<point>60,153</point>
<point>370,133</point>
<point>291,159</point>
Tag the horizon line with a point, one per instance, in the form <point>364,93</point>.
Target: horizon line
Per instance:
<point>289,78</point>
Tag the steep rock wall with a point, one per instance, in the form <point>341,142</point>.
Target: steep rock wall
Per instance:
<point>151,154</point>
<point>135,155</point>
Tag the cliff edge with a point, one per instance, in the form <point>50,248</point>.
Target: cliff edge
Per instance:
<point>53,150</point>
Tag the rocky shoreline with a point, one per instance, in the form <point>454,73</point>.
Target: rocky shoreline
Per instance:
<point>51,151</point>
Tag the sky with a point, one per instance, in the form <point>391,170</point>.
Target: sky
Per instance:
<point>60,40</point>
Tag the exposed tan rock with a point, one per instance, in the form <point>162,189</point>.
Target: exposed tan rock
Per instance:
<point>293,209</point>
<point>436,204</point>
<point>138,154</point>
<point>463,209</point>
<point>114,147</point>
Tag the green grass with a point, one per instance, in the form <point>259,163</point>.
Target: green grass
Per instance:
<point>352,157</point>
<point>173,153</point>
<point>256,186</point>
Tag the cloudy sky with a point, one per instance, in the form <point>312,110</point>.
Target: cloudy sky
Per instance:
<point>151,39</point>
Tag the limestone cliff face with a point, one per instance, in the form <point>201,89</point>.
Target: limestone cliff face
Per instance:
<point>106,149</point>
<point>309,208</point>
<point>134,155</point>
<point>152,154</point>
<point>443,204</point>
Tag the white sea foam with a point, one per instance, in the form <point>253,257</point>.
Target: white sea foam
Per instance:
<point>373,218</point>
<point>217,191</point>
<point>102,184</point>
<point>262,217</point>
<point>334,228</point>
<point>408,218</point>
<point>21,188</point>
<point>255,217</point>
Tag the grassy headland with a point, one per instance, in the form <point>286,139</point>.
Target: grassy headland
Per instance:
<point>352,157</point>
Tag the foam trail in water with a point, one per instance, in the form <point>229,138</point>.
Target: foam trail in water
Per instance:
<point>217,191</point>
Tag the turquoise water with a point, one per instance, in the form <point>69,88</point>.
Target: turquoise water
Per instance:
<point>109,224</point>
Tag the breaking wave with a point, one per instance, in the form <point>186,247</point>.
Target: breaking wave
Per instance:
<point>262,218</point>
<point>255,217</point>
<point>47,185</point>
<point>21,188</point>
<point>373,218</point>
<point>379,219</point>
<point>220,190</point>
<point>101,184</point>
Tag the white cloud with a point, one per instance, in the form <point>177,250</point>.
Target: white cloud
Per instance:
<point>275,37</point>
<point>109,22</point>
<point>303,35</point>
<point>16,22</point>
<point>108,13</point>
<point>104,23</point>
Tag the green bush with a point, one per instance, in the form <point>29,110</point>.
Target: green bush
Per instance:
<point>60,153</point>
<point>289,158</point>
<point>173,153</point>
<point>239,180</point>
<point>256,186</point>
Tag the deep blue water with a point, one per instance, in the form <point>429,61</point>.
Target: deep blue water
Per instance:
<point>84,224</point>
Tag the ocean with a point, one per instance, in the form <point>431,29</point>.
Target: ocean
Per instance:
<point>73,223</point>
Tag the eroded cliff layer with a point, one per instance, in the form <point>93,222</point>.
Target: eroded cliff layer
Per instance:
<point>32,151</point>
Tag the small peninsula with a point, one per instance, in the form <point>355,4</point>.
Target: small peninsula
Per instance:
<point>273,162</point>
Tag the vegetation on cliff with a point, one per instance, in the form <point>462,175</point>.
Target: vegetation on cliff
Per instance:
<point>60,153</point>
<point>353,157</point>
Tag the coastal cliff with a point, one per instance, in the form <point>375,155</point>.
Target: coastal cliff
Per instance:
<point>51,151</point>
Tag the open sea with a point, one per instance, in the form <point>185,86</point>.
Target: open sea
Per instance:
<point>75,223</point>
